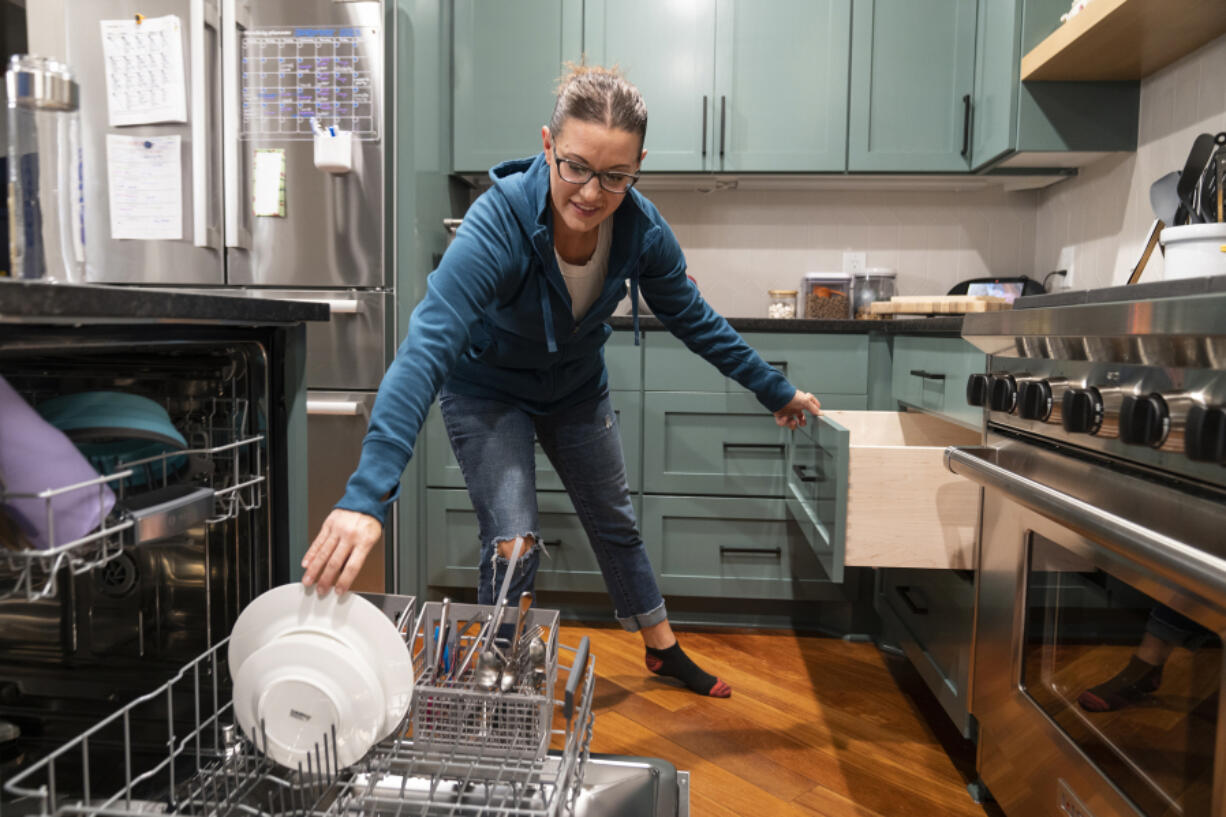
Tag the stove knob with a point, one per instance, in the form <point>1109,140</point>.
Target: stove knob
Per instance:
<point>1205,434</point>
<point>1144,420</point>
<point>1002,395</point>
<point>1034,400</point>
<point>977,389</point>
<point>1082,411</point>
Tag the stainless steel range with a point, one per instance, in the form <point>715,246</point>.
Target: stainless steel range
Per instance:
<point>1102,594</point>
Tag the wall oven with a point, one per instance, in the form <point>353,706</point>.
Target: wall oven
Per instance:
<point>1102,572</point>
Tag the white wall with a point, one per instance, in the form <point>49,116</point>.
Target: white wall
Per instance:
<point>45,29</point>
<point>1101,218</point>
<point>741,243</point>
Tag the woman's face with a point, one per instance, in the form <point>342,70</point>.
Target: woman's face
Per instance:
<point>582,207</point>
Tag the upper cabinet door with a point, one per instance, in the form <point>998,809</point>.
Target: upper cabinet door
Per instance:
<point>667,50</point>
<point>780,99</point>
<point>508,57</point>
<point>996,70</point>
<point>912,75</point>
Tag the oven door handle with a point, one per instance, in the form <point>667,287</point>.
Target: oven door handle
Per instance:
<point>1186,567</point>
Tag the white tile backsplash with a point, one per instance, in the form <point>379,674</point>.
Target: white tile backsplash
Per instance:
<point>740,243</point>
<point>1102,217</point>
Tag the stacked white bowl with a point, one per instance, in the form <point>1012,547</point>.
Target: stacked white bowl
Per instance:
<point>307,667</point>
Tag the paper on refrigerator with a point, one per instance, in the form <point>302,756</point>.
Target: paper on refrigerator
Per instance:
<point>145,179</point>
<point>144,70</point>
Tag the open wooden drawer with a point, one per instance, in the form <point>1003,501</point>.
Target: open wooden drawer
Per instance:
<point>870,488</point>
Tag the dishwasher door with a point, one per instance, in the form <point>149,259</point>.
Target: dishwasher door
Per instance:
<point>336,424</point>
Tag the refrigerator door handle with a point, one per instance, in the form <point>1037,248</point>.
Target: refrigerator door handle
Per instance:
<point>203,15</point>
<point>235,15</point>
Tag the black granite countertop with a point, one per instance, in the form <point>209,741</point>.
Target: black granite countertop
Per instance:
<point>40,302</point>
<point>951,326</point>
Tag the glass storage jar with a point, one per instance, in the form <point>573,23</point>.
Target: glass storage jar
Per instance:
<point>827,295</point>
<point>874,284</point>
<point>782,303</point>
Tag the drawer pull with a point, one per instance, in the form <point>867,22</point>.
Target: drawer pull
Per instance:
<point>736,446</point>
<point>799,471</point>
<point>781,365</point>
<point>777,552</point>
<point>928,375</point>
<point>336,408</point>
<point>917,605</point>
<point>551,543</point>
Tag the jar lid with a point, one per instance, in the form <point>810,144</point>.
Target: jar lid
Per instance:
<point>877,272</point>
<point>39,82</point>
<point>827,276</point>
<point>780,293</point>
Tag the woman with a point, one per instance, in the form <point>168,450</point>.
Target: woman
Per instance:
<point>511,331</point>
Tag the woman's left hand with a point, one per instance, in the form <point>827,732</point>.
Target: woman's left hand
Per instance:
<point>793,414</point>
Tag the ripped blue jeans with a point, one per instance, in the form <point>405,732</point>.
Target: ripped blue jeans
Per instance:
<point>494,446</point>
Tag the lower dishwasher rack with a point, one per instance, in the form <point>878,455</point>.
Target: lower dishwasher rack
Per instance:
<point>205,768</point>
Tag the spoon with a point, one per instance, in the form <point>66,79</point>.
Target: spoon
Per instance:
<point>490,662</point>
<point>507,682</point>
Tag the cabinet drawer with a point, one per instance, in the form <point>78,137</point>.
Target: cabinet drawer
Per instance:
<point>882,496</point>
<point>702,443</point>
<point>454,552</point>
<point>930,374</point>
<point>442,470</point>
<point>822,364</point>
<point>730,547</point>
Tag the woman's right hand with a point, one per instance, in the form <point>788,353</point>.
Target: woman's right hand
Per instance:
<point>339,551</point>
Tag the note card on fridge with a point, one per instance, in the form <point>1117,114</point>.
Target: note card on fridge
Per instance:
<point>144,70</point>
<point>145,177</point>
<point>268,185</point>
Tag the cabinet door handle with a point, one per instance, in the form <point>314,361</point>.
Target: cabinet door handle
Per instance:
<point>927,375</point>
<point>781,365</point>
<point>723,110</point>
<point>777,552</point>
<point>966,125</point>
<point>735,446</point>
<point>800,472</point>
<point>704,126</point>
<point>913,598</point>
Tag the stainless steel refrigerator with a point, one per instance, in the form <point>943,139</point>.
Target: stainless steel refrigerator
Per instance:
<point>236,94</point>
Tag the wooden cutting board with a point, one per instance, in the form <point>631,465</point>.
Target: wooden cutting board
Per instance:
<point>937,305</point>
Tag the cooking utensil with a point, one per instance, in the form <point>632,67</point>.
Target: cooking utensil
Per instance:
<point>509,671</point>
<point>1189,179</point>
<point>1151,241</point>
<point>1164,198</point>
<point>440,638</point>
<point>458,667</point>
<point>490,662</point>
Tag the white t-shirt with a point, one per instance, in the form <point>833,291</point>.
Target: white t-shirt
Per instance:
<point>584,281</point>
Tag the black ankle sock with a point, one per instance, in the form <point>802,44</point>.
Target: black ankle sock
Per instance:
<point>1133,684</point>
<point>674,663</point>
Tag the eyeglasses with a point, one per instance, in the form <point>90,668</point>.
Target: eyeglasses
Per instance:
<point>575,173</point>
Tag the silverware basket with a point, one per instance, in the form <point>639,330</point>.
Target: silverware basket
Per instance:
<point>452,713</point>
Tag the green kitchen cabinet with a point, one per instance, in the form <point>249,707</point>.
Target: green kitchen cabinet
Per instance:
<point>732,85</point>
<point>1032,124</point>
<point>729,548</point>
<point>912,78</point>
<point>819,363</point>
<point>508,57</point>
<point>666,50</point>
<point>454,557</point>
<point>930,374</point>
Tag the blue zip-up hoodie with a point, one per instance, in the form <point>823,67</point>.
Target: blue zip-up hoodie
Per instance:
<point>496,323</point>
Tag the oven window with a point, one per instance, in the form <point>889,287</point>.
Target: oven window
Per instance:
<point>1131,681</point>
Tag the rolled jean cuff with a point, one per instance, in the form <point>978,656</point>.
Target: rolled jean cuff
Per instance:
<point>632,624</point>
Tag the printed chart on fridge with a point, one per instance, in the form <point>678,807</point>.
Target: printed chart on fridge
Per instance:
<point>293,75</point>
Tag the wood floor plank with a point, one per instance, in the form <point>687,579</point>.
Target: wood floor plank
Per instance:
<point>816,727</point>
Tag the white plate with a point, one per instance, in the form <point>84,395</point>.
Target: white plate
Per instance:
<point>303,686</point>
<point>349,618</point>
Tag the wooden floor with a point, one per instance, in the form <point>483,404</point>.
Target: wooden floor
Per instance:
<point>815,726</point>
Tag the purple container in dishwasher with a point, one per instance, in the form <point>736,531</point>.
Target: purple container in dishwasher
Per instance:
<point>34,457</point>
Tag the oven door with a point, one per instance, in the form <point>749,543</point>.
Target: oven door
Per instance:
<point>1082,566</point>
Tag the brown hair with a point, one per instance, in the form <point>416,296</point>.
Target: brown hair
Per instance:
<point>591,93</point>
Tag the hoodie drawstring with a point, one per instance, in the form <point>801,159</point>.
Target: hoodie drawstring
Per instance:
<point>634,301</point>
<point>551,343</point>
